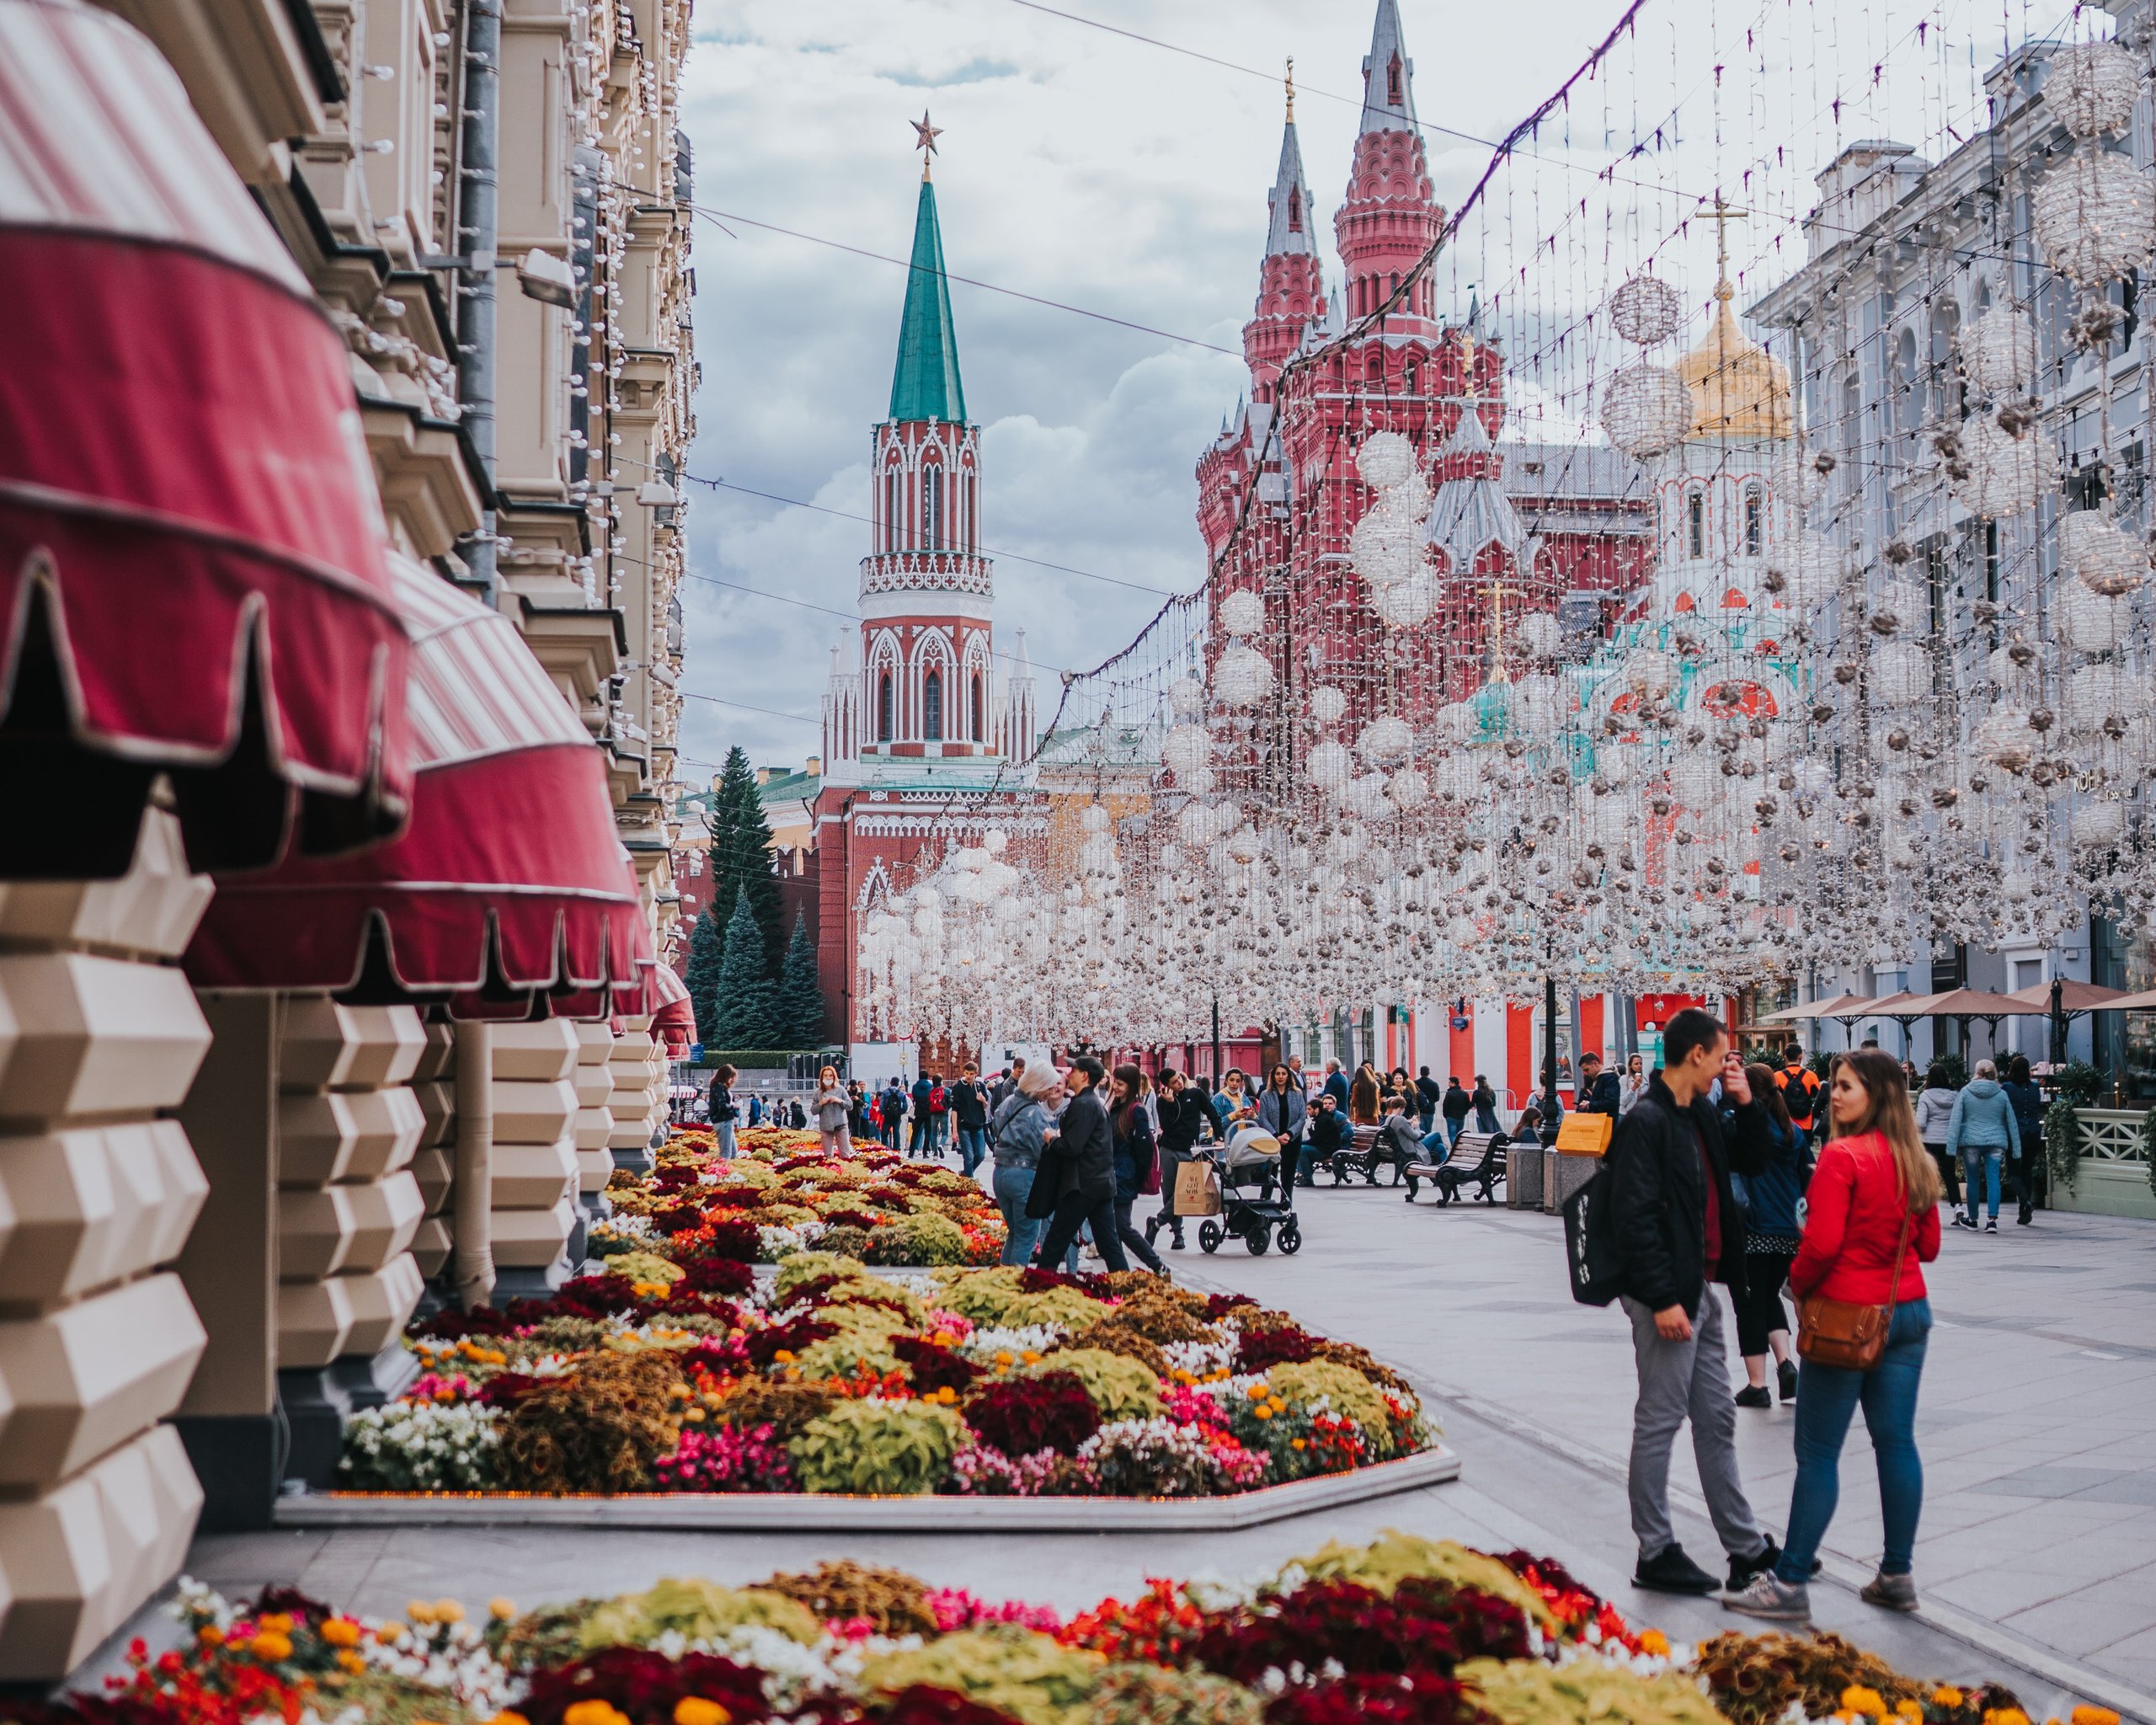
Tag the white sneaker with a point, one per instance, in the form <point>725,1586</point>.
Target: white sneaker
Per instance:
<point>1768,1595</point>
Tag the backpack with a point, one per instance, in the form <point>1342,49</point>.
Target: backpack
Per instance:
<point>1800,1093</point>
<point>1594,1266</point>
<point>937,1100</point>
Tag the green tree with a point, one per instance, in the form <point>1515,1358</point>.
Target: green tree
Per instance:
<point>800,1009</point>
<point>707,943</point>
<point>741,1014</point>
<point>741,855</point>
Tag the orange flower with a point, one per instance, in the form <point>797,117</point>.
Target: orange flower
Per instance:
<point>2094,1715</point>
<point>351,1662</point>
<point>593,1712</point>
<point>211,1636</point>
<point>339,1631</point>
<point>1654,1641</point>
<point>270,1647</point>
<point>1945,1695</point>
<point>695,1710</point>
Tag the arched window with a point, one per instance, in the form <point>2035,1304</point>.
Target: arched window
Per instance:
<point>1755,521</point>
<point>1295,209</point>
<point>932,507</point>
<point>979,714</point>
<point>931,706</point>
<point>1696,523</point>
<point>1392,95</point>
<point>891,510</point>
<point>885,709</point>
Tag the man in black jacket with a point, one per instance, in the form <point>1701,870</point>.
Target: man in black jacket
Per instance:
<point>1183,1112</point>
<point>1083,1152</point>
<point>1599,1093</point>
<point>1455,1107</point>
<point>1428,1093</point>
<point>1678,1231</point>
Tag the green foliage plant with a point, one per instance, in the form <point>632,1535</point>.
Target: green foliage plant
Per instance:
<point>699,1611</point>
<point>1119,1386</point>
<point>1031,1677</point>
<point>880,1449</point>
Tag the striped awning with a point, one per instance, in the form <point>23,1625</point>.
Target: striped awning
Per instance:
<point>511,880</point>
<point>191,571</point>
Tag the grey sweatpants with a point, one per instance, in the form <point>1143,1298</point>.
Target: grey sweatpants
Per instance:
<point>1680,1380</point>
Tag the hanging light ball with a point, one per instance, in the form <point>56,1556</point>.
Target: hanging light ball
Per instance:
<point>1646,410</point>
<point>1650,673</point>
<point>1646,310</point>
<point>2086,621</point>
<point>2106,560</point>
<point>1459,778</point>
<point>2093,86</point>
<point>2098,827</point>
<point>1385,740</point>
<point>1242,612</point>
<point>1186,696</point>
<point>1365,797</point>
<point>1404,603</point>
<point>2007,739</point>
<point>1407,789</point>
<point>1093,818</point>
<point>2095,216</point>
<point>1901,673</point>
<point>1998,351</point>
<point>1386,545</point>
<point>1814,572</point>
<point>2002,471</point>
<point>1385,460</point>
<point>2102,695</point>
<point>1330,767</point>
<point>1242,677</point>
<point>1187,749</point>
<point>1538,634</point>
<point>1328,704</point>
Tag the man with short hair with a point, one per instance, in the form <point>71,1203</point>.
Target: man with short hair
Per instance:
<point>1800,1088</point>
<point>1599,1093</point>
<point>1455,1107</point>
<point>1428,1093</point>
<point>969,1110</point>
<point>1336,1084</point>
<point>1183,1112</point>
<point>1086,1171</point>
<point>1006,1087</point>
<point>1678,1231</point>
<point>894,1110</point>
<point>1330,1134</point>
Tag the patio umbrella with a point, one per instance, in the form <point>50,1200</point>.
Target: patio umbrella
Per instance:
<point>191,551</point>
<point>1963,1004</point>
<point>2062,1000</point>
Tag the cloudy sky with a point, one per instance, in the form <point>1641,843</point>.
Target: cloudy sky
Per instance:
<point>1082,167</point>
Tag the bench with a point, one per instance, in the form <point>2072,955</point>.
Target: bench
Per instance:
<point>1477,1160</point>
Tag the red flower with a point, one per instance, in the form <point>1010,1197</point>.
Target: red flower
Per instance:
<point>1020,1415</point>
<point>1286,1344</point>
<point>789,1337</point>
<point>721,1273</point>
<point>934,1367</point>
<point>643,1685</point>
<point>1218,1305</point>
<point>1423,1699</point>
<point>921,1704</point>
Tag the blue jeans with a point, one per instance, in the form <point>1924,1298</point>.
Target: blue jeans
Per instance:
<point>725,1130</point>
<point>1022,1233</point>
<point>1439,1145</point>
<point>1984,1158</point>
<point>973,1147</point>
<point>1826,1397</point>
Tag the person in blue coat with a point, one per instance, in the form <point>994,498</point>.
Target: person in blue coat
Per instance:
<point>1981,1131</point>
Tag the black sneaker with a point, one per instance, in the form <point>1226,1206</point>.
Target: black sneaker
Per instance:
<point>1991,1226</point>
<point>1754,1396</point>
<point>1669,1571</point>
<point>1962,1221</point>
<point>1742,1569</point>
<point>1788,1375</point>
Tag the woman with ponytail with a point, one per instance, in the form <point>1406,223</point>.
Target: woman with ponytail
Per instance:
<point>1872,1223</point>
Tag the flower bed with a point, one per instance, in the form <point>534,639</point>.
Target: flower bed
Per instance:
<point>1405,1631</point>
<point>691,1377</point>
<point>783,1196</point>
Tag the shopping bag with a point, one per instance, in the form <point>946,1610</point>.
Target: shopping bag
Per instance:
<point>1591,1256</point>
<point>1198,1190</point>
<point>1585,1135</point>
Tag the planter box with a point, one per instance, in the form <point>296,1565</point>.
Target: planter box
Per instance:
<point>802,1511</point>
<point>2107,1188</point>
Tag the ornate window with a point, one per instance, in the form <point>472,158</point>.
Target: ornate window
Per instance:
<point>1392,95</point>
<point>1755,521</point>
<point>891,516</point>
<point>1295,209</point>
<point>931,706</point>
<point>885,709</point>
<point>979,715</point>
<point>932,506</point>
<point>1696,523</point>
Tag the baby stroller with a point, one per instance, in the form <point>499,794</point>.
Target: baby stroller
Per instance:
<point>1253,1198</point>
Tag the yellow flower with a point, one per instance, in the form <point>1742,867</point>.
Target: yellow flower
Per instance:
<point>448,1611</point>
<point>2094,1715</point>
<point>270,1646</point>
<point>1654,1641</point>
<point>1259,1392</point>
<point>784,1357</point>
<point>1946,1696</point>
<point>593,1712</point>
<point>1030,1357</point>
<point>2005,1716</point>
<point>339,1631</point>
<point>351,1662</point>
<point>276,1622</point>
<point>211,1636</point>
<point>695,1710</point>
<point>1004,1357</point>
<point>1264,1412</point>
<point>1296,1444</point>
<point>419,1611</point>
<point>390,1634</point>
<point>1857,1700</point>
<point>944,1338</point>
<point>500,1609</point>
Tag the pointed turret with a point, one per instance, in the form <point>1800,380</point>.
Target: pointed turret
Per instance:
<point>1390,218</point>
<point>926,385</point>
<point>1388,75</point>
<point>1291,280</point>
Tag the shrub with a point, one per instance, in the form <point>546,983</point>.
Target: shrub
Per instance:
<point>1350,1393</point>
<point>787,1409</point>
<point>1020,1673</point>
<point>885,1448</point>
<point>697,1610</point>
<point>600,1428</point>
<point>1121,1388</point>
<point>1021,1416</point>
<point>890,1600</point>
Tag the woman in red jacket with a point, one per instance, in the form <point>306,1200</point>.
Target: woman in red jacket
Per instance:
<point>1873,1205</point>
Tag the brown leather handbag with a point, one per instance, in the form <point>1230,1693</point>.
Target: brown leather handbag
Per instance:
<point>1845,1333</point>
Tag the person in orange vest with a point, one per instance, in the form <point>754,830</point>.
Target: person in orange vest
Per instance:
<point>1800,1088</point>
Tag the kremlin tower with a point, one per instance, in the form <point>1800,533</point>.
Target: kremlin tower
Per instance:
<point>1278,492</point>
<point>922,702</point>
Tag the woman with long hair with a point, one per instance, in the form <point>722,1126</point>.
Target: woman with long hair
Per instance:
<point>1771,1237</point>
<point>1136,1160</point>
<point>1934,1107</point>
<point>1871,1225</point>
<point>834,1113</point>
<point>2020,1088</point>
<point>1281,1109</point>
<point>1634,1085</point>
<point>1362,1096</point>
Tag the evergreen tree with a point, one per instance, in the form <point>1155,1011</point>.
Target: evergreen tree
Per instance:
<point>741,1016</point>
<point>707,942</point>
<point>741,855</point>
<point>800,1011</point>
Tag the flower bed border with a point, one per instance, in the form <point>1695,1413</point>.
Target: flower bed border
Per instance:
<point>831,1512</point>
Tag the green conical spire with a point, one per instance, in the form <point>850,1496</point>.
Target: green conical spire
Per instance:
<point>926,386</point>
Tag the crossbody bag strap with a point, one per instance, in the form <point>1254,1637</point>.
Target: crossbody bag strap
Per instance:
<point>1894,1282</point>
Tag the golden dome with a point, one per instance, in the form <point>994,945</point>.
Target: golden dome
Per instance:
<point>1738,389</point>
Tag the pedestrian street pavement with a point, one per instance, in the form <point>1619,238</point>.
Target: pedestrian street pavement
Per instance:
<point>2036,1421</point>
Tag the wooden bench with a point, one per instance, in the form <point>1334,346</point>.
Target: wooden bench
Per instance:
<point>1477,1160</point>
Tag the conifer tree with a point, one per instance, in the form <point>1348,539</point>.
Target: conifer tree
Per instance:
<point>707,942</point>
<point>800,1009</point>
<point>741,1015</point>
<point>741,855</point>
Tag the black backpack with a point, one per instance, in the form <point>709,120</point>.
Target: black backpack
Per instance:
<point>1594,1266</point>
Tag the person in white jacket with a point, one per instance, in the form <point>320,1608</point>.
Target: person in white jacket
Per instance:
<point>1934,1124</point>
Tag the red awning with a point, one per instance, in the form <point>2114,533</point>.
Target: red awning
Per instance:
<point>674,1019</point>
<point>510,879</point>
<point>191,574</point>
